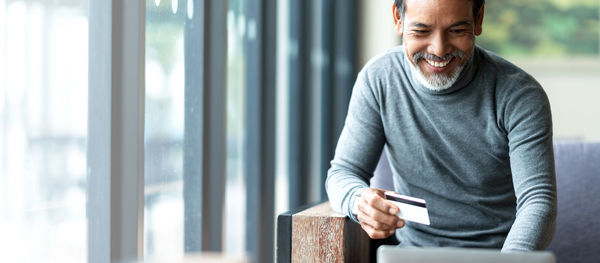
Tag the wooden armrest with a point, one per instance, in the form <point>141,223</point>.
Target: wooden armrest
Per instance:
<point>318,234</point>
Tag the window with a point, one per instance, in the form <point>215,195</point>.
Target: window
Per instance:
<point>181,133</point>
<point>43,127</point>
<point>558,42</point>
<point>235,197</point>
<point>163,193</point>
<point>164,127</point>
<point>185,137</point>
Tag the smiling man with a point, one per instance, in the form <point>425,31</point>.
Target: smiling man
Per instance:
<point>462,128</point>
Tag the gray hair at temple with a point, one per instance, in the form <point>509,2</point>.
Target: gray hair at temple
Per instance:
<point>476,6</point>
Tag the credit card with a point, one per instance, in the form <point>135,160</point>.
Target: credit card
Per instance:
<point>411,208</point>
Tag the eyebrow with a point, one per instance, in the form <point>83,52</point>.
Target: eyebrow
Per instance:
<point>417,24</point>
<point>465,22</point>
<point>459,23</point>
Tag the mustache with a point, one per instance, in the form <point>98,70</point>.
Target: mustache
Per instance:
<point>425,55</point>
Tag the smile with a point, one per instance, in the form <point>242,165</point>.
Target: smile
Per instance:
<point>439,64</point>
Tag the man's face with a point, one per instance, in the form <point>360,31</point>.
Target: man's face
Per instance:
<point>438,37</point>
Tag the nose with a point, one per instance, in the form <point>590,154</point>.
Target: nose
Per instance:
<point>439,45</point>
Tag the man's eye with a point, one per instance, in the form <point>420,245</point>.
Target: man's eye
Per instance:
<point>420,31</point>
<point>458,30</point>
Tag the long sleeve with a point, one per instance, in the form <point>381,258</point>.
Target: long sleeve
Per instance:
<point>358,149</point>
<point>529,128</point>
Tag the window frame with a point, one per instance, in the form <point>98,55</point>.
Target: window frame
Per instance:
<point>322,68</point>
<point>259,168</point>
<point>115,155</point>
<point>205,133</point>
<point>116,112</point>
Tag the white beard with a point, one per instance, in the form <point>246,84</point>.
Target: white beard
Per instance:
<point>435,82</point>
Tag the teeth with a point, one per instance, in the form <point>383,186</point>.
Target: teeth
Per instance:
<point>438,64</point>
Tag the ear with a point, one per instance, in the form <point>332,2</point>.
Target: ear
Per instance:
<point>479,21</point>
<point>397,21</point>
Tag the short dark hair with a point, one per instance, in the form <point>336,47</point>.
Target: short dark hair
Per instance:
<point>476,6</point>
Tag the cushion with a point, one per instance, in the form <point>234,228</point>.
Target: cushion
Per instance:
<point>577,179</point>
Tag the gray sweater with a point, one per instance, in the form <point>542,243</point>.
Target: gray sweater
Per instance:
<point>480,153</point>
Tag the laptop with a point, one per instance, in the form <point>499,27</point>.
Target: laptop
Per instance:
<point>390,254</point>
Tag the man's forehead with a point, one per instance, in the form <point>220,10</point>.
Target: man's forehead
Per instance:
<point>439,2</point>
<point>426,12</point>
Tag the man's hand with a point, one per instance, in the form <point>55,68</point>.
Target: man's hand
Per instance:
<point>377,216</point>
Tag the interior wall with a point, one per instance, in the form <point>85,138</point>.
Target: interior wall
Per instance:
<point>376,29</point>
<point>573,88</point>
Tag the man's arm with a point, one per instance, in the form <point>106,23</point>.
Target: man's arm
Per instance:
<point>529,125</point>
<point>358,148</point>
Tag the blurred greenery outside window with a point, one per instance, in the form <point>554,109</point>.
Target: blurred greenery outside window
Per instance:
<point>550,28</point>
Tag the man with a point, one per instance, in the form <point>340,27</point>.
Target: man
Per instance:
<point>462,128</point>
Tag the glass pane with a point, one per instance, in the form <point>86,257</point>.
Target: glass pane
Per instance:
<point>282,112</point>
<point>163,208</point>
<point>558,42</point>
<point>235,208</point>
<point>43,130</point>
<point>549,28</point>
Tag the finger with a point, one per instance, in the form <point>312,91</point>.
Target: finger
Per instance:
<point>376,199</point>
<point>379,216</point>
<point>374,233</point>
<point>376,218</point>
<point>400,223</point>
<point>363,218</point>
